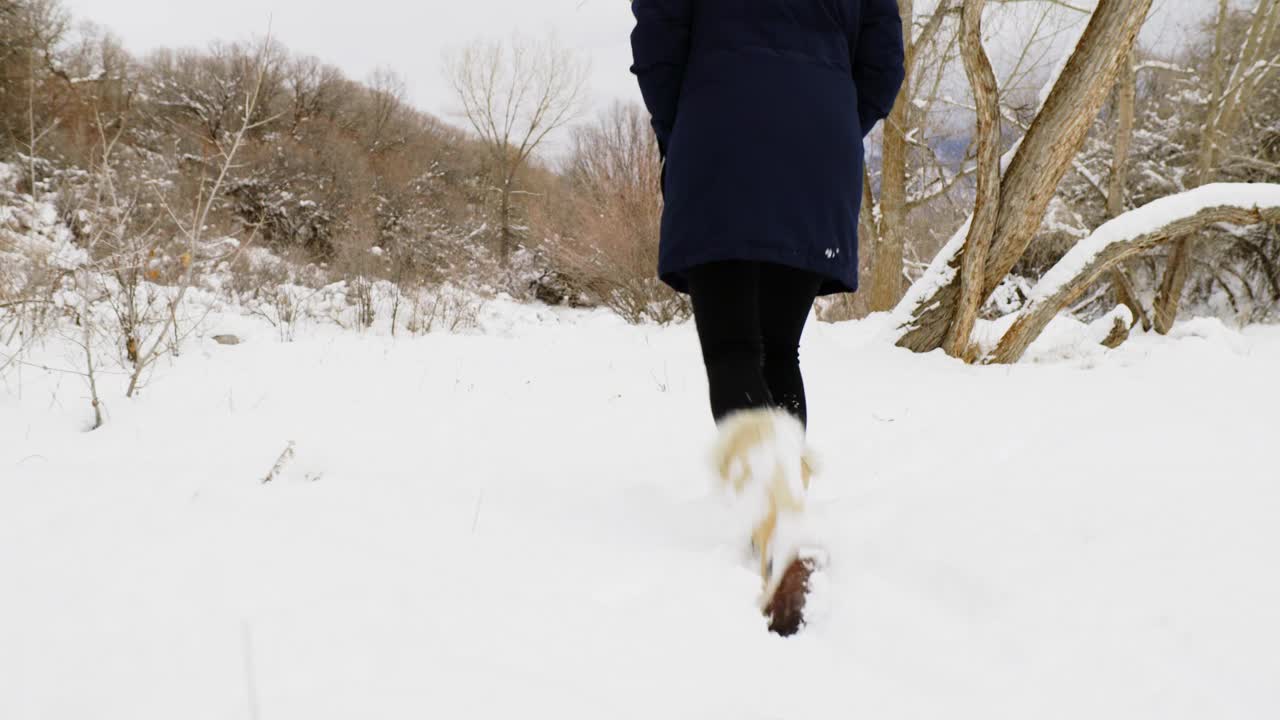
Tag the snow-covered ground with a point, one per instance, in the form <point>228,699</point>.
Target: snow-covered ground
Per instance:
<point>519,524</point>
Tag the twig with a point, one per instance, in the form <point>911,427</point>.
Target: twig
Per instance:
<point>281,462</point>
<point>65,371</point>
<point>87,321</point>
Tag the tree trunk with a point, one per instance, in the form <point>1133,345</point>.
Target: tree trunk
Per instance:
<point>886,278</point>
<point>868,228</point>
<point>1043,157</point>
<point>1217,93</point>
<point>1127,295</point>
<point>1172,283</point>
<point>1126,95</point>
<point>987,203</point>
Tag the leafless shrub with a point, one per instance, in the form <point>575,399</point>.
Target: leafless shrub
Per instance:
<point>609,246</point>
<point>34,266</point>
<point>442,309</point>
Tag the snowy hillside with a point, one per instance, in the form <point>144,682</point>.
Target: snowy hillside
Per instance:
<point>518,524</point>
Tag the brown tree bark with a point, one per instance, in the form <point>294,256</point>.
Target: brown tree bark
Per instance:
<point>1043,157</point>
<point>868,227</point>
<point>868,236</point>
<point>1126,96</point>
<point>1119,333</point>
<point>987,204</point>
<point>886,267</point>
<point>1127,295</point>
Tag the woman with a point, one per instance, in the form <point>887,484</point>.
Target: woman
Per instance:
<point>760,108</point>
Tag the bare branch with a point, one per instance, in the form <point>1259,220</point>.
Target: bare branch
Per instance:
<point>1115,242</point>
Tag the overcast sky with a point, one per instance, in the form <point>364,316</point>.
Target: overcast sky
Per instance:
<point>410,36</point>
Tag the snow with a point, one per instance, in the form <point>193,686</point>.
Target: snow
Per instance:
<point>1061,218</point>
<point>938,275</point>
<point>520,522</point>
<point>1161,65</point>
<point>1056,73</point>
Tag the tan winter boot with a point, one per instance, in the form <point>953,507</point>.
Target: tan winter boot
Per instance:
<point>762,458</point>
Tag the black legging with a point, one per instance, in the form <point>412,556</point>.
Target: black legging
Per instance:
<point>750,316</point>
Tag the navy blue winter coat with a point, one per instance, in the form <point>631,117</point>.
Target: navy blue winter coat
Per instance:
<point>760,108</point>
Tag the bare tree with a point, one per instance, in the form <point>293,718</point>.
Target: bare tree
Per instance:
<point>917,183</point>
<point>314,88</point>
<point>889,242</point>
<point>1038,164</point>
<point>1229,93</point>
<point>939,310</point>
<point>387,96</point>
<point>203,92</point>
<point>514,95</point>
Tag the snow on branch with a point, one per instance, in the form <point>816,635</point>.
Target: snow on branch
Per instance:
<point>1162,65</point>
<point>1157,222</point>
